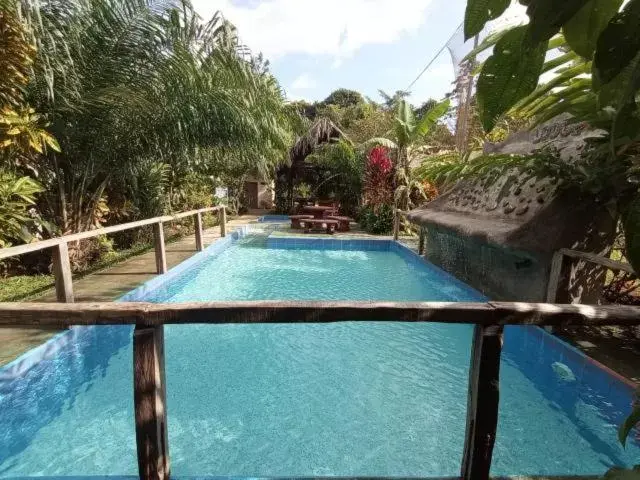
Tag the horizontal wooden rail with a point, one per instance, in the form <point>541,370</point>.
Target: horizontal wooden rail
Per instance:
<point>486,314</point>
<point>60,257</point>
<point>597,259</point>
<point>52,242</point>
<point>557,262</point>
<point>148,350</point>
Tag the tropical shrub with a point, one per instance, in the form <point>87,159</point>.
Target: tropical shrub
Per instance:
<point>377,220</point>
<point>378,181</point>
<point>18,217</point>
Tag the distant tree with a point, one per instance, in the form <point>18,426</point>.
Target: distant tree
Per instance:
<point>425,107</point>
<point>390,102</point>
<point>306,109</point>
<point>344,98</point>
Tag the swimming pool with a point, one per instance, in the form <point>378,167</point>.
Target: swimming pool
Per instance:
<point>292,400</point>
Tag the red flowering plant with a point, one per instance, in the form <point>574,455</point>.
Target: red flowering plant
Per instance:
<point>378,182</point>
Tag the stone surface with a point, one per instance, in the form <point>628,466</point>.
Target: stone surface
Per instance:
<point>522,216</point>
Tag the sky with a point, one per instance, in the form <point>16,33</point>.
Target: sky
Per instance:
<point>317,46</point>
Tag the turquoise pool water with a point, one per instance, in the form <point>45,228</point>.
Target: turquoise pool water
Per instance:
<point>293,400</point>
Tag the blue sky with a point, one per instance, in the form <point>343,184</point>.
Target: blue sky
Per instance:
<point>317,46</point>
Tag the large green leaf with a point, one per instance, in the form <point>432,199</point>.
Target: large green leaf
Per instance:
<point>618,43</point>
<point>584,28</point>
<point>548,16</point>
<point>430,118</point>
<point>510,74</point>
<point>627,121</point>
<point>479,12</point>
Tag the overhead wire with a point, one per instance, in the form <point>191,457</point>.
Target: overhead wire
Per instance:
<point>433,59</point>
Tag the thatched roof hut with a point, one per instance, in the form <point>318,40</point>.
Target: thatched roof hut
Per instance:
<point>323,130</point>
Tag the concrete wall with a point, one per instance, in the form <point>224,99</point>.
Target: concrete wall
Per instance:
<point>499,273</point>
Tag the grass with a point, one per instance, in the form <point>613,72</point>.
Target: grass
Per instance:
<point>24,287</point>
<point>28,287</point>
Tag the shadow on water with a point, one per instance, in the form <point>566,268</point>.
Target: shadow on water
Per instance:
<point>32,395</point>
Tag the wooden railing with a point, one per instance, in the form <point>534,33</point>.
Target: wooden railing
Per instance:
<point>397,218</point>
<point>558,259</point>
<point>148,350</point>
<point>62,266</point>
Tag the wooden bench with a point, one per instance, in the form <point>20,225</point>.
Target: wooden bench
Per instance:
<point>320,224</point>
<point>295,220</point>
<point>343,223</point>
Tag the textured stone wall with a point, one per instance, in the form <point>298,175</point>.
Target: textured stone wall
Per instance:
<point>497,272</point>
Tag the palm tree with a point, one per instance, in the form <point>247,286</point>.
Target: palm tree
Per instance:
<point>125,82</point>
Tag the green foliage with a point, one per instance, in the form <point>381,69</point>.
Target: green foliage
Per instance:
<point>631,224</point>
<point>192,191</point>
<point>584,28</point>
<point>302,190</point>
<point>593,29</point>
<point>618,43</point>
<point>345,170</point>
<point>376,220</point>
<point>125,81</point>
<point>344,98</point>
<point>21,287</point>
<point>509,75</point>
<point>548,16</point>
<point>17,196</point>
<point>479,12</point>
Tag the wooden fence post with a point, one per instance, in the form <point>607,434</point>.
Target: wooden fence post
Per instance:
<point>197,222</point>
<point>482,403</point>
<point>396,223</point>
<point>554,276</point>
<point>150,403</point>
<point>158,243</point>
<point>222,216</point>
<point>62,272</point>
<point>421,242</point>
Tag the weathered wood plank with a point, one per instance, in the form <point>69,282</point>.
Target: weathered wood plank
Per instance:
<point>34,247</point>
<point>197,222</point>
<point>222,218</point>
<point>554,276</point>
<point>482,403</point>
<point>62,273</point>
<point>158,244</point>
<point>421,242</point>
<point>521,313</point>
<point>502,313</point>
<point>150,403</point>
<point>396,224</point>
<point>593,258</point>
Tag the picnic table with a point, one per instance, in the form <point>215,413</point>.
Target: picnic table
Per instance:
<point>343,222</point>
<point>329,226</point>
<point>317,211</point>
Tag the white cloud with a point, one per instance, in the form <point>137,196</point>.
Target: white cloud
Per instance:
<point>303,82</point>
<point>330,27</point>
